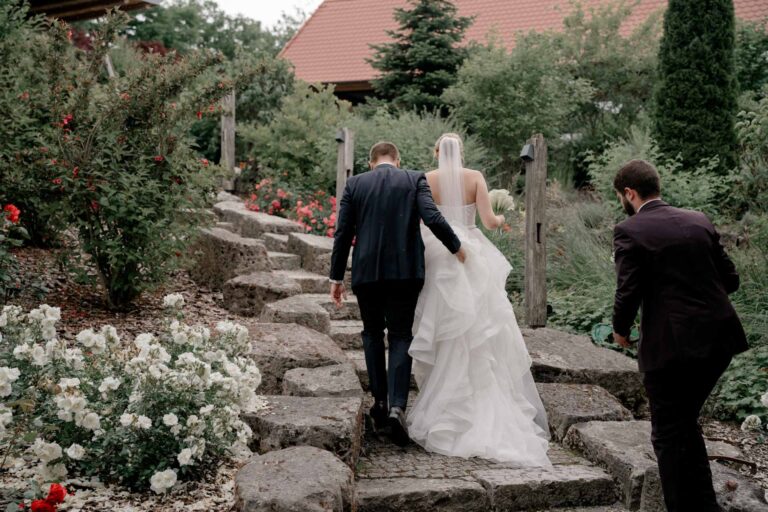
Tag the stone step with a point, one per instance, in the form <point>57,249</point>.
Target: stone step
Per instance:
<point>276,242</point>
<point>246,295</point>
<point>309,282</point>
<point>357,358</point>
<point>298,309</point>
<point>336,380</point>
<point>348,311</point>
<point>568,404</point>
<point>624,449</point>
<point>330,423</point>
<point>219,255</point>
<point>278,348</point>
<point>314,251</point>
<point>421,495</point>
<point>284,261</point>
<point>253,224</point>
<point>346,333</point>
<point>561,357</point>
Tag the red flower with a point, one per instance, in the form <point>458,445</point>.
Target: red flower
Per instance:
<point>12,213</point>
<point>42,506</point>
<point>75,172</point>
<point>24,96</point>
<point>199,114</point>
<point>159,158</point>
<point>275,204</point>
<point>125,96</point>
<point>204,161</point>
<point>43,150</point>
<point>95,205</point>
<point>67,119</point>
<point>56,181</point>
<point>56,494</point>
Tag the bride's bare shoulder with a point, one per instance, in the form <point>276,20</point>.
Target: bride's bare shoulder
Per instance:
<point>473,174</point>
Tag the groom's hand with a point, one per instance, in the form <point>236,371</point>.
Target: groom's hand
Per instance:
<point>623,341</point>
<point>461,255</point>
<point>338,292</point>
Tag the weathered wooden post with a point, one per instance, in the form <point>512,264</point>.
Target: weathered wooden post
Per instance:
<point>227,160</point>
<point>346,160</point>
<point>534,155</point>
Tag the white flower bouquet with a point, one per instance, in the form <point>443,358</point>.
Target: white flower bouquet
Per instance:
<point>501,201</point>
<point>146,414</point>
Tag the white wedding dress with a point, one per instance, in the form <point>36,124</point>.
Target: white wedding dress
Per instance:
<point>476,396</point>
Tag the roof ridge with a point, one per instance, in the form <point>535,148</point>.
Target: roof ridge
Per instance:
<point>302,27</point>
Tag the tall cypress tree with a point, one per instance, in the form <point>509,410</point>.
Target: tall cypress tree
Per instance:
<point>422,60</point>
<point>696,96</point>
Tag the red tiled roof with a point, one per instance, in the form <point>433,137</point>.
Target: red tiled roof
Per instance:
<point>333,44</point>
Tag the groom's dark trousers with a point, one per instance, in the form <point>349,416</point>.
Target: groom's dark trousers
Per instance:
<point>382,211</point>
<point>671,263</point>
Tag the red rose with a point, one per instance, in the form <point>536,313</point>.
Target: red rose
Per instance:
<point>12,213</point>
<point>42,506</point>
<point>199,114</point>
<point>204,161</point>
<point>56,494</point>
<point>125,96</point>
<point>159,158</point>
<point>275,204</point>
<point>56,181</point>
<point>75,172</point>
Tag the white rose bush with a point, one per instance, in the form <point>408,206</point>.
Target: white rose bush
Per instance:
<point>146,413</point>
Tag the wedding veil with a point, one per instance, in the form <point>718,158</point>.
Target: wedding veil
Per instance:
<point>451,177</point>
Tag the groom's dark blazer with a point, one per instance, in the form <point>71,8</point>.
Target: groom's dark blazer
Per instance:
<point>382,208</point>
<point>671,262</point>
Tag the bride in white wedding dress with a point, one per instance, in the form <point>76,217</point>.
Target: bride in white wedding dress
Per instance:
<point>476,393</point>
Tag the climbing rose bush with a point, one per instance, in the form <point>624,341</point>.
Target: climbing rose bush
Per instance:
<point>147,413</point>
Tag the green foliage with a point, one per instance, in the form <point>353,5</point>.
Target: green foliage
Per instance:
<point>421,61</point>
<point>415,136</point>
<point>298,145</point>
<point>696,93</point>
<point>697,189</point>
<point>751,56</point>
<point>751,180</point>
<point>504,98</point>
<point>130,181</point>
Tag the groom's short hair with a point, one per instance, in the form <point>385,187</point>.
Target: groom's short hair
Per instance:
<point>640,176</point>
<point>384,148</point>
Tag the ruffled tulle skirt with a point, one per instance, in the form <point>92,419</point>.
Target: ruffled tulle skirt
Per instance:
<point>476,396</point>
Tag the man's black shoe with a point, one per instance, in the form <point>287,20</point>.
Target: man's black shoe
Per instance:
<point>398,427</point>
<point>379,415</point>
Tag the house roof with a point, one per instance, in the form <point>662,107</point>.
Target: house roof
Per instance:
<point>331,47</point>
<point>76,10</point>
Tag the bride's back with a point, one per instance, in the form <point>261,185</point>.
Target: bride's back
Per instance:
<point>475,192</point>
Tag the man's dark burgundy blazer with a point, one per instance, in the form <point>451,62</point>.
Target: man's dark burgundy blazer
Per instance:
<point>671,262</point>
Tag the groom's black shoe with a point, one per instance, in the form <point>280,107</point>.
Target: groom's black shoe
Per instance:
<point>398,427</point>
<point>379,415</point>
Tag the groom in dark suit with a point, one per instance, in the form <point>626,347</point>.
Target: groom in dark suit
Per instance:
<point>382,209</point>
<point>671,263</point>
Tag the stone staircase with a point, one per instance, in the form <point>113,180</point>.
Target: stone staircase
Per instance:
<point>314,452</point>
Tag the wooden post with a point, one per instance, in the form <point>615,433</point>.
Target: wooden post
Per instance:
<point>227,160</point>
<point>534,155</point>
<point>345,161</point>
<point>109,66</point>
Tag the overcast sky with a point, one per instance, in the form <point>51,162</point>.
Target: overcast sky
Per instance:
<point>267,11</point>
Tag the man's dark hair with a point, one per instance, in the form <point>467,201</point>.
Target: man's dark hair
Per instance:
<point>384,148</point>
<point>640,176</point>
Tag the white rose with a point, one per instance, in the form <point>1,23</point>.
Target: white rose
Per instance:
<point>170,420</point>
<point>109,384</point>
<point>56,472</point>
<point>9,374</point>
<point>143,340</point>
<point>204,411</point>
<point>86,338</point>
<point>764,400</point>
<point>4,319</point>
<point>91,421</point>
<point>67,384</point>
<point>162,481</point>
<point>144,422</point>
<point>127,419</point>
<point>21,350</point>
<point>48,331</point>
<point>751,423</point>
<point>75,452</point>
<point>173,300</point>
<point>185,457</point>
<point>46,452</point>
<point>39,358</point>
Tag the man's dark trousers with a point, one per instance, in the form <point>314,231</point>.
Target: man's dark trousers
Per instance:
<point>388,305</point>
<point>676,394</point>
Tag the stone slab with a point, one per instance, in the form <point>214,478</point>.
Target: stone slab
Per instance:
<point>566,358</point>
<point>309,247</point>
<point>309,282</point>
<point>226,196</point>
<point>336,380</point>
<point>349,310</point>
<point>557,486</point>
<point>300,478</point>
<point>284,261</point>
<point>276,242</point>
<point>346,333</point>
<point>247,294</point>
<point>330,423</point>
<point>277,348</point>
<point>219,255</point>
<point>298,310</point>
<point>253,224</point>
<point>420,495</point>
<point>568,404</point>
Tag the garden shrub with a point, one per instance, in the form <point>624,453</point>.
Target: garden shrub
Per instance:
<point>145,414</point>
<point>11,235</point>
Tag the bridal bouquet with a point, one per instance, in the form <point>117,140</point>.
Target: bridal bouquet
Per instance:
<point>501,201</point>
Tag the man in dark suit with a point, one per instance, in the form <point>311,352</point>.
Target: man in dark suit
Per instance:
<point>382,208</point>
<point>671,263</point>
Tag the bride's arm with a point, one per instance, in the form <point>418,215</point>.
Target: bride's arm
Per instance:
<point>483,201</point>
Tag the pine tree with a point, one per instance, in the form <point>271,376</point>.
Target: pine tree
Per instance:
<point>696,96</point>
<point>422,60</point>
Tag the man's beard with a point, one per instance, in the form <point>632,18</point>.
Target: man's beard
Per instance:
<point>628,208</point>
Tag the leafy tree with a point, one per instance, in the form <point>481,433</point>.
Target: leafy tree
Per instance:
<point>751,56</point>
<point>506,97</point>
<point>422,60</point>
<point>696,95</point>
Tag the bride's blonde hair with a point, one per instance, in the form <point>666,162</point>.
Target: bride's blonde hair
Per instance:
<point>450,136</point>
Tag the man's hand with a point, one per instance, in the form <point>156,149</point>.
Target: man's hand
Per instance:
<point>338,292</point>
<point>461,255</point>
<point>623,341</point>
